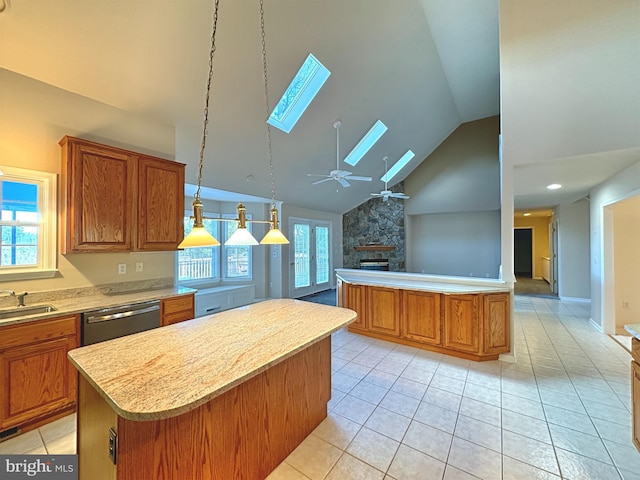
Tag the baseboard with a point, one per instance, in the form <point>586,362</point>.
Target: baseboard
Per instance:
<point>507,357</point>
<point>575,299</point>
<point>595,325</point>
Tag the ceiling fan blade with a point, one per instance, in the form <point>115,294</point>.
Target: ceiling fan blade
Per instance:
<point>317,175</point>
<point>361,179</point>
<point>399,195</point>
<point>323,180</point>
<point>340,173</point>
<point>343,182</point>
<point>376,194</point>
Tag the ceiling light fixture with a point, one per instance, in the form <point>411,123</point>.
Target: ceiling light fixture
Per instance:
<point>199,237</point>
<point>526,214</point>
<point>554,186</point>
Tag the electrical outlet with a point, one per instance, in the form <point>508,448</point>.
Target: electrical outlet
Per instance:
<point>625,305</point>
<point>139,266</point>
<point>122,268</point>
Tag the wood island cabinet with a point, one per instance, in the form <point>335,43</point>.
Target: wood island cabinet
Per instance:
<point>421,317</point>
<point>38,382</point>
<point>115,200</point>
<point>383,310</point>
<point>469,325</point>
<point>635,385</point>
<point>176,309</point>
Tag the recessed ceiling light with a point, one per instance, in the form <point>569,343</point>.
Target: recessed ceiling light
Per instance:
<point>526,214</point>
<point>554,186</point>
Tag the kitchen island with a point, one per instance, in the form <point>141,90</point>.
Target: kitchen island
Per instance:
<point>634,329</point>
<point>226,396</point>
<point>460,316</point>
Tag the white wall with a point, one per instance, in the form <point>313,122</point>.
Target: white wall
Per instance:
<point>619,187</point>
<point>462,244</point>
<point>33,118</point>
<point>626,238</point>
<point>573,250</point>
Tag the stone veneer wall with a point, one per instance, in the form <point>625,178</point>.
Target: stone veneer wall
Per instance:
<point>375,221</point>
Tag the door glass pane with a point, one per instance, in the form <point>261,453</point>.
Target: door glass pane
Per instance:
<point>322,255</point>
<point>302,262</point>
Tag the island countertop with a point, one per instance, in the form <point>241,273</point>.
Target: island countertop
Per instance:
<point>633,329</point>
<point>168,371</point>
<point>419,281</point>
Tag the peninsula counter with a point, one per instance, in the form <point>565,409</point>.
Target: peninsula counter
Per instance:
<point>464,317</point>
<point>224,396</point>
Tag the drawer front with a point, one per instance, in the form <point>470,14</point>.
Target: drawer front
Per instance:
<point>177,304</point>
<point>38,331</point>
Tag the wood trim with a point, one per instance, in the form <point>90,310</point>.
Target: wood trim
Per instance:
<point>243,433</point>
<point>371,248</point>
<point>635,349</point>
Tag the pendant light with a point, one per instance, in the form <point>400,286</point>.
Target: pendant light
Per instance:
<point>199,237</point>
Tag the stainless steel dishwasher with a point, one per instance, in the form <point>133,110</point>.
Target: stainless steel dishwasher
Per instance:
<point>114,322</point>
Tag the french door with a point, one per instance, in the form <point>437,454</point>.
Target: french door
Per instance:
<point>309,257</point>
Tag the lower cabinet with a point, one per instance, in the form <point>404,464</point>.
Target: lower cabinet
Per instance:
<point>421,317</point>
<point>473,326</point>
<point>177,309</point>
<point>383,310</point>
<point>38,381</point>
<point>635,386</point>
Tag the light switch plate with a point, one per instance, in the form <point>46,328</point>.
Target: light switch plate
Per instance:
<point>122,268</point>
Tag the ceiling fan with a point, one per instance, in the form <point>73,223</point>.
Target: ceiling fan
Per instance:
<point>386,193</point>
<point>341,176</point>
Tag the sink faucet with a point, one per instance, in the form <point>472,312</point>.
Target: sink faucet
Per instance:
<point>21,298</point>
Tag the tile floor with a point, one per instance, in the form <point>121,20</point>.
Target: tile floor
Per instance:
<point>561,411</point>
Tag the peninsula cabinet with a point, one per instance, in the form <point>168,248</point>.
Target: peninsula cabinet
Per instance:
<point>468,325</point>
<point>635,385</point>
<point>38,382</point>
<point>115,200</point>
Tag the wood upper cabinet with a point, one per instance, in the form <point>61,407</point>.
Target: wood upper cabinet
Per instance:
<point>38,381</point>
<point>176,309</point>
<point>97,200</point>
<point>354,297</point>
<point>635,388</point>
<point>462,322</point>
<point>421,317</point>
<point>160,204</point>
<point>383,310</point>
<point>496,311</point>
<point>115,200</point>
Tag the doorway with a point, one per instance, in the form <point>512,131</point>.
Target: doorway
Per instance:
<point>523,252</point>
<point>310,261</point>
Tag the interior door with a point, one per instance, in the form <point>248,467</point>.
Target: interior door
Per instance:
<point>309,257</point>
<point>523,252</point>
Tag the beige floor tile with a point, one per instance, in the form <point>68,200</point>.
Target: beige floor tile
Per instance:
<point>479,432</point>
<point>373,448</point>
<point>65,445</point>
<point>388,423</point>
<point>450,384</point>
<point>409,388</point>
<point>369,392</point>
<point>580,443</point>
<point>22,443</point>
<point>314,457</point>
<point>355,409</point>
<point>521,405</point>
<point>337,430</point>
<point>524,425</point>
<point>436,417</point>
<point>396,402</point>
<point>284,471</point>
<point>624,456</point>
<point>569,419</point>
<point>58,428</point>
<point>482,394</point>
<point>443,398</point>
<point>429,440</point>
<point>514,470</point>
<point>481,411</point>
<point>348,467</point>
<point>528,450</point>
<point>577,467</point>
<point>380,378</point>
<point>453,473</point>
<point>474,459</point>
<point>410,464</point>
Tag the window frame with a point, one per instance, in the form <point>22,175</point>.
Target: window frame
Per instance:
<point>47,219</point>
<point>224,257</point>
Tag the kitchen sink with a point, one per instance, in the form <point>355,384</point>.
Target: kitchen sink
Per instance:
<point>24,311</point>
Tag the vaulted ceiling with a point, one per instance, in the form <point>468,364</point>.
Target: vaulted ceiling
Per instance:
<point>423,67</point>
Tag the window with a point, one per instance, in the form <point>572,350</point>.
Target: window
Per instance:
<point>237,264</point>
<point>212,264</point>
<point>199,264</point>
<point>28,224</point>
<point>299,94</point>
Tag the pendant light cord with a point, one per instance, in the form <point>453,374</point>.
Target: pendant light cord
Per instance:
<point>266,104</point>
<point>206,100</point>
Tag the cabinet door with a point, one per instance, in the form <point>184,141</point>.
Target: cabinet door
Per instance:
<point>176,309</point>
<point>383,310</point>
<point>421,317</point>
<point>354,298</point>
<point>496,312</point>
<point>160,204</point>
<point>36,381</point>
<point>462,323</point>
<point>97,202</point>
<point>635,385</point>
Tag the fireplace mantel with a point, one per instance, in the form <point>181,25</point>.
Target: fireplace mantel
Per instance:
<point>369,248</point>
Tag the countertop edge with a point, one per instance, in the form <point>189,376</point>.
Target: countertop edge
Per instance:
<point>633,329</point>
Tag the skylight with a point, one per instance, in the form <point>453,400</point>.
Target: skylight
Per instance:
<point>365,144</point>
<point>298,95</point>
<point>398,166</point>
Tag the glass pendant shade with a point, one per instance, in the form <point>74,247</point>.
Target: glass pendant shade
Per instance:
<point>241,237</point>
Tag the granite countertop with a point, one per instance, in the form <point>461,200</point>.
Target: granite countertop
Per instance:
<point>171,370</point>
<point>69,305</point>
<point>417,281</point>
<point>633,329</point>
